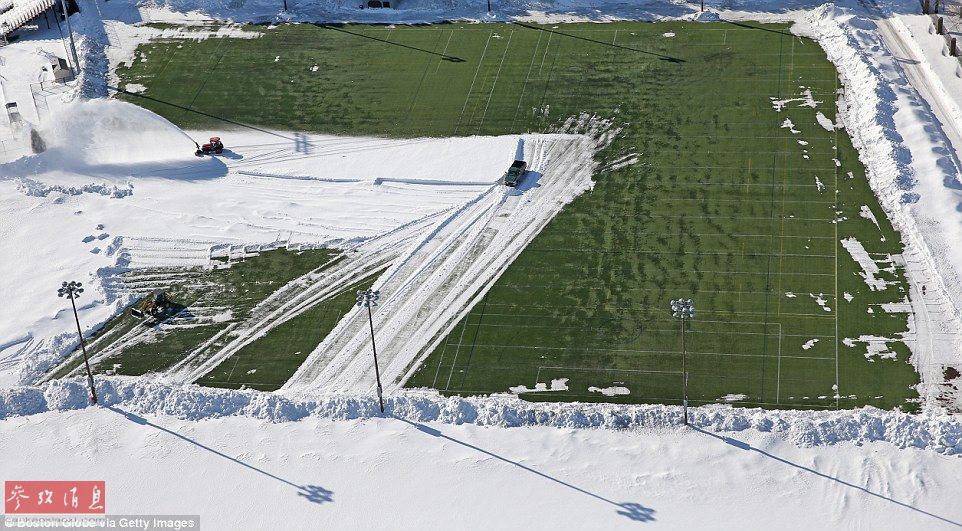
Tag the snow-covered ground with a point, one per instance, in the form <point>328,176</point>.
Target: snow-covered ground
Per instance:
<point>386,473</point>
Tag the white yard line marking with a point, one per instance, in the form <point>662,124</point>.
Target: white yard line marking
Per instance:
<point>534,55</point>
<point>444,52</point>
<point>838,309</point>
<point>467,98</point>
<point>545,56</point>
<point>497,75</point>
<point>778,370</point>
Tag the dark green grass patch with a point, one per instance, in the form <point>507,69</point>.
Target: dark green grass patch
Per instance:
<point>268,362</point>
<point>213,300</point>
<point>722,204</point>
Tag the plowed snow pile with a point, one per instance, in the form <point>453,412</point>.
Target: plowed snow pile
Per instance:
<point>110,133</point>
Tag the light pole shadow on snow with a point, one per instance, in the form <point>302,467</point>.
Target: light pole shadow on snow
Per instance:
<point>312,493</point>
<point>741,445</point>
<point>630,510</point>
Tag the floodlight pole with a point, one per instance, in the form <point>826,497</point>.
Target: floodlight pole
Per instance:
<point>683,309</point>
<point>684,372</point>
<point>73,47</point>
<point>72,291</point>
<point>368,298</point>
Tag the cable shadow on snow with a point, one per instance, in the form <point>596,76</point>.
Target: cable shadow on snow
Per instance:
<point>630,510</point>
<point>748,448</point>
<point>312,493</point>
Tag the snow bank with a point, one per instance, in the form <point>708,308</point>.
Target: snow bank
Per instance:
<point>940,433</point>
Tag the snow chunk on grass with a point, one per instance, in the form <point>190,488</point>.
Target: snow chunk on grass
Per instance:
<point>610,391</point>
<point>790,125</point>
<point>733,397</point>
<point>823,121</point>
<point>806,99</point>
<point>820,300</point>
<point>870,269</point>
<point>560,384</point>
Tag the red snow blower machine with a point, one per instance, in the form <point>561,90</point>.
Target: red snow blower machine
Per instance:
<point>215,146</point>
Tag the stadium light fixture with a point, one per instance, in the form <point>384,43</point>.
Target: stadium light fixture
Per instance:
<point>72,290</point>
<point>683,309</point>
<point>368,298</point>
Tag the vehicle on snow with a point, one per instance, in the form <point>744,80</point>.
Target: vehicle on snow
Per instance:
<point>157,304</point>
<point>515,173</point>
<point>213,146</point>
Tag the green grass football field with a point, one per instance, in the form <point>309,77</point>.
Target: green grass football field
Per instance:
<point>738,196</point>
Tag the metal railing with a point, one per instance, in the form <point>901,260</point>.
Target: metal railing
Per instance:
<point>947,19</point>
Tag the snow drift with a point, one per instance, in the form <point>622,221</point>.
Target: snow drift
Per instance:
<point>939,433</point>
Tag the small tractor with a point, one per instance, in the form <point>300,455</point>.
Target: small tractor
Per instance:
<point>214,146</point>
<point>156,304</point>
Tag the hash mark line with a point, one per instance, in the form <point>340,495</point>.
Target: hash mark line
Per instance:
<point>424,74</point>
<point>457,351</point>
<point>444,350</point>
<point>534,55</point>
<point>444,53</point>
<point>497,75</point>
<point>231,373</point>
<point>474,342</point>
<point>547,83</point>
<point>547,46</point>
<point>473,81</point>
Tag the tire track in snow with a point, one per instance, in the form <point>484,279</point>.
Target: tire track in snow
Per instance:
<point>440,278</point>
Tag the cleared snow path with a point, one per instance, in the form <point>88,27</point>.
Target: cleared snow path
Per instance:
<point>426,292</point>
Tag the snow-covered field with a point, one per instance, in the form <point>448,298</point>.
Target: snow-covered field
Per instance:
<point>119,187</point>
